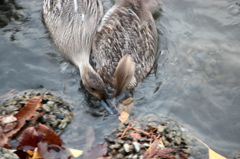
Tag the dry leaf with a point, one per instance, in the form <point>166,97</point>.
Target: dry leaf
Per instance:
<point>135,135</point>
<point>35,154</point>
<point>123,117</point>
<point>25,113</point>
<point>75,153</point>
<point>28,139</point>
<point>48,135</point>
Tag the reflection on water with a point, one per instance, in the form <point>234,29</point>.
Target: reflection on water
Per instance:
<point>195,82</point>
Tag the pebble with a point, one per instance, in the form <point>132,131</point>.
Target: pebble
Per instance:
<point>136,146</point>
<point>128,148</point>
<point>6,154</point>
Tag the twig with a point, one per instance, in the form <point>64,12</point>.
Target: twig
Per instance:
<point>13,91</point>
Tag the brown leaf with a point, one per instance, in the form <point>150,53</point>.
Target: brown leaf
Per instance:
<point>25,113</point>
<point>28,139</point>
<point>97,151</point>
<point>29,109</point>
<point>48,135</point>
<point>3,139</point>
<point>135,135</point>
<point>123,116</point>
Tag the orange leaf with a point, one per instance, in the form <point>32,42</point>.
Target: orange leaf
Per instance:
<point>123,117</point>
<point>25,113</point>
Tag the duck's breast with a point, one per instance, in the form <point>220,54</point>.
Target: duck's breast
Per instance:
<point>125,29</point>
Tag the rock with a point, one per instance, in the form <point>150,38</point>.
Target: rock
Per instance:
<point>115,146</point>
<point>136,146</point>
<point>160,128</point>
<point>128,148</point>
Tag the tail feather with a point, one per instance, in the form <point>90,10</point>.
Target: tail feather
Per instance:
<point>123,74</point>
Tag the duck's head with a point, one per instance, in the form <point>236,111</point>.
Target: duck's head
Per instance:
<point>94,84</point>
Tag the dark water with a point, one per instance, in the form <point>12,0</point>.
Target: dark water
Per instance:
<point>196,81</point>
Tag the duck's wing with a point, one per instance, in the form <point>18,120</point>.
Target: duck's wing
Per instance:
<point>72,25</point>
<point>127,28</point>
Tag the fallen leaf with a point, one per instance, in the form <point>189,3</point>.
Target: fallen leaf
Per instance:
<point>97,151</point>
<point>135,135</point>
<point>75,153</point>
<point>25,113</point>
<point>35,154</point>
<point>123,116</point>
<point>48,135</point>
<point>28,139</point>
<point>156,151</point>
<point>214,155</point>
<point>127,105</point>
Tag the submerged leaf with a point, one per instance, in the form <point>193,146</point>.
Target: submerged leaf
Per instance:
<point>97,151</point>
<point>76,153</point>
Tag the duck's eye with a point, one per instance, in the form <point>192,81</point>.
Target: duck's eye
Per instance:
<point>93,89</point>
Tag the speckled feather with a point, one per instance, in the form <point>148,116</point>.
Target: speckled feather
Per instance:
<point>72,24</point>
<point>127,28</point>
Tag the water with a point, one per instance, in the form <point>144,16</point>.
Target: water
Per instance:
<point>195,82</point>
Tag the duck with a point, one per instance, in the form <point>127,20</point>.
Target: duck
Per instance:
<point>122,43</point>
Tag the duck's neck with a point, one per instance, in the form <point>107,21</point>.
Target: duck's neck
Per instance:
<point>82,62</point>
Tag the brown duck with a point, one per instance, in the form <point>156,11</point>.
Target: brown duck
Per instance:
<point>123,43</point>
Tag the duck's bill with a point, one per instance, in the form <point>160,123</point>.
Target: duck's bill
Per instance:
<point>110,106</point>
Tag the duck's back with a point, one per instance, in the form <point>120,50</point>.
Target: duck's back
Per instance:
<point>72,25</point>
<point>127,28</point>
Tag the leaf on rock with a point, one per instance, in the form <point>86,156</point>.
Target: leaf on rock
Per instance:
<point>3,139</point>
<point>123,116</point>
<point>75,153</point>
<point>97,151</point>
<point>135,135</point>
<point>25,113</point>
